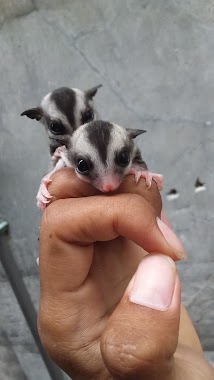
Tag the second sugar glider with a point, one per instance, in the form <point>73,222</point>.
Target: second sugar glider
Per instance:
<point>62,111</point>
<point>102,153</point>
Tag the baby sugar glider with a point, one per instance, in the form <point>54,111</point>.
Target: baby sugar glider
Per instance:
<point>102,153</point>
<point>62,112</point>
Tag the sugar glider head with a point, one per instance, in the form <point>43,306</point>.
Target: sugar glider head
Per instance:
<point>63,111</point>
<point>102,153</point>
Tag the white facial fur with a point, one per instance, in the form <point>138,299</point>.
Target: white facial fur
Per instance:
<point>79,106</point>
<point>106,173</point>
<point>117,142</point>
<point>50,108</point>
<point>54,113</point>
<point>82,145</point>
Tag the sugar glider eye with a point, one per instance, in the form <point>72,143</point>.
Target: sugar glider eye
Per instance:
<point>82,166</point>
<point>57,128</point>
<point>87,116</point>
<point>123,158</point>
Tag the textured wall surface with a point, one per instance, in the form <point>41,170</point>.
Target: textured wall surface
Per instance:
<point>155,61</point>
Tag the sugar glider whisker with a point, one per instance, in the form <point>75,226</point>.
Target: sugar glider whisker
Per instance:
<point>101,153</point>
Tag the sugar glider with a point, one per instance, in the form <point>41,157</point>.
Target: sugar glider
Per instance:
<point>62,112</point>
<point>101,153</point>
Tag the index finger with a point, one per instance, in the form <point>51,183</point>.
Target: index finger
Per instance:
<point>65,184</point>
<point>69,228</point>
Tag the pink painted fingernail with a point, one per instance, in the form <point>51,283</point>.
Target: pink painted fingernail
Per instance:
<point>154,282</point>
<point>172,239</point>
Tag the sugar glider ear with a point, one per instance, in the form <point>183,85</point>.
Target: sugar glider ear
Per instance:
<point>135,132</point>
<point>33,113</point>
<point>92,92</point>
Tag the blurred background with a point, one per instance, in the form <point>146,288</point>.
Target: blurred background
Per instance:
<point>155,61</point>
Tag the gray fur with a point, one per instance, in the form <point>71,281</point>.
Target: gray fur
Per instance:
<point>99,136</point>
<point>99,143</point>
<point>66,107</point>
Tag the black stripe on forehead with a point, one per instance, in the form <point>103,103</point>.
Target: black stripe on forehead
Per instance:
<point>99,135</point>
<point>65,100</point>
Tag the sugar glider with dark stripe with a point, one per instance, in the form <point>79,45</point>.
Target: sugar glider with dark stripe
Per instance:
<point>62,112</point>
<point>102,153</point>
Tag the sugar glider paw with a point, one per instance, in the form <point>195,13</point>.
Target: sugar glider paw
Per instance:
<point>43,196</point>
<point>60,158</point>
<point>144,174</point>
<point>158,179</point>
<point>59,152</point>
<point>149,176</point>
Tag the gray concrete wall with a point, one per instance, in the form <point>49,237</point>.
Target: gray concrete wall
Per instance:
<point>155,60</point>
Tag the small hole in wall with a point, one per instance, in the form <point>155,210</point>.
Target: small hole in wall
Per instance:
<point>172,194</point>
<point>199,186</point>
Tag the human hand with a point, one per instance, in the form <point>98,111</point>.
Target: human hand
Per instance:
<point>91,323</point>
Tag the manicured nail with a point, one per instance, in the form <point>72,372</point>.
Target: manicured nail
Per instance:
<point>172,239</point>
<point>154,282</point>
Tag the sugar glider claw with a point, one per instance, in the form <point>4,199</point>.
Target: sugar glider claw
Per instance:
<point>43,196</point>
<point>144,174</point>
<point>149,176</point>
<point>158,179</point>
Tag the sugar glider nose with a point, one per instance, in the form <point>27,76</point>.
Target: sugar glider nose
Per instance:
<point>110,182</point>
<point>108,188</point>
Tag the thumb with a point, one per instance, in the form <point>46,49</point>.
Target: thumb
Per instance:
<point>142,333</point>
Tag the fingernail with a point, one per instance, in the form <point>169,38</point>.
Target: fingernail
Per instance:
<point>154,282</point>
<point>172,239</point>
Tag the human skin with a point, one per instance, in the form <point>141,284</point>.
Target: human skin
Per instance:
<point>93,318</point>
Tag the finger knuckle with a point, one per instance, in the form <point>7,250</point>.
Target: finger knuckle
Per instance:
<point>51,218</point>
<point>120,357</point>
<point>133,200</point>
<point>133,355</point>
